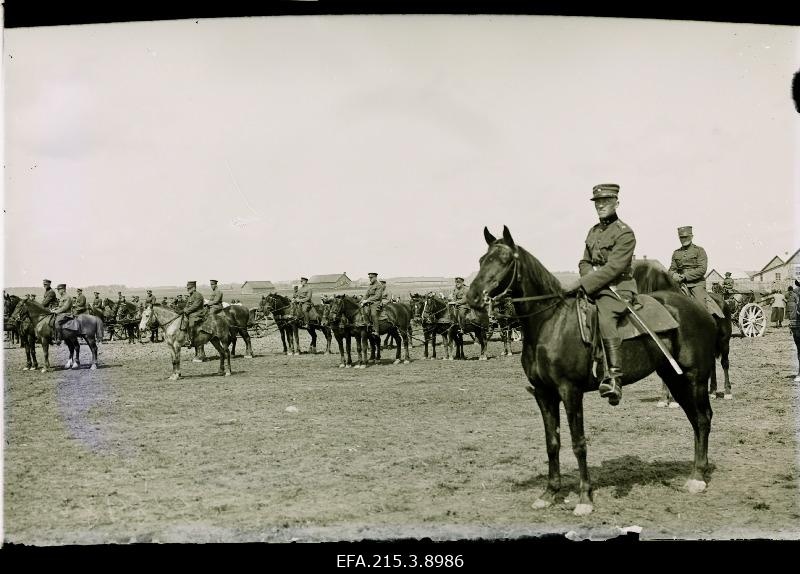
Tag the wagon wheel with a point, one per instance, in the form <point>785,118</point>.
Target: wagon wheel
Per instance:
<point>752,320</point>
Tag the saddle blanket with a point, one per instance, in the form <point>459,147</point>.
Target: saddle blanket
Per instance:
<point>652,313</point>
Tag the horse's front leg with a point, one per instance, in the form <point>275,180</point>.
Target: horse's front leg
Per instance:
<point>175,351</point>
<point>340,342</point>
<point>548,401</point>
<point>327,332</point>
<point>480,333</point>
<point>573,405</point>
<point>296,334</point>
<point>406,341</point>
<point>45,342</point>
<point>283,339</point>
<point>312,349</point>
<point>93,348</point>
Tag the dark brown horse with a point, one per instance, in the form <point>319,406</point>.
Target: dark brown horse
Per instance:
<point>10,326</point>
<point>433,314</point>
<point>89,327</point>
<point>651,276</point>
<point>238,317</point>
<point>559,365</point>
<point>25,328</point>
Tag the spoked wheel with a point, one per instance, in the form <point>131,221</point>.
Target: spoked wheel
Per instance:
<point>752,320</point>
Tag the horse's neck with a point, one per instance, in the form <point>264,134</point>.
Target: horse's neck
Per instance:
<point>163,315</point>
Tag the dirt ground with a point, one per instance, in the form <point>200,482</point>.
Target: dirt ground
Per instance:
<point>447,450</point>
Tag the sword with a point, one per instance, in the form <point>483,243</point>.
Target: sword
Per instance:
<point>658,342</point>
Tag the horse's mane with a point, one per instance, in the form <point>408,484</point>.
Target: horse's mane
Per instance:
<point>538,273</point>
<point>36,305</point>
<point>651,276</point>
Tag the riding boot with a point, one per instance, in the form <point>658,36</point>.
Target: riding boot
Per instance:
<point>611,387</point>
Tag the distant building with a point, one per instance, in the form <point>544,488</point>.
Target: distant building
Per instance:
<point>336,281</point>
<point>422,281</point>
<point>250,287</point>
<point>741,280</point>
<point>778,274</point>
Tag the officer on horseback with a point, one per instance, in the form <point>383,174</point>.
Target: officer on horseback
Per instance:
<point>97,303</point>
<point>215,300</point>
<point>49,299</point>
<point>688,267</point>
<point>727,284</point>
<point>458,300</point>
<point>194,306</point>
<point>302,298</point>
<point>149,300</point>
<point>80,303</point>
<point>606,263</point>
<point>372,301</point>
<point>62,312</point>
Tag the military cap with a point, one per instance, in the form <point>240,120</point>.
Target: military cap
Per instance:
<point>727,274</point>
<point>61,286</point>
<point>213,281</point>
<point>149,290</point>
<point>372,274</point>
<point>46,281</point>
<point>605,190</point>
<point>191,283</point>
<point>97,292</point>
<point>459,278</point>
<point>685,231</point>
<point>79,290</point>
<point>304,279</point>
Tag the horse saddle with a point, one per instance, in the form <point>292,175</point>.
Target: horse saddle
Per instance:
<point>652,313</point>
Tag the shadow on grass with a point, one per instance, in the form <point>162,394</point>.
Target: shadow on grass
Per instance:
<point>622,473</point>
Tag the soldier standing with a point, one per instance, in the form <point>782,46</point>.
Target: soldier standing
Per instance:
<point>458,299</point>
<point>49,300</point>
<point>215,300</point>
<point>372,301</point>
<point>689,264</point>
<point>80,303</point>
<point>606,263</point>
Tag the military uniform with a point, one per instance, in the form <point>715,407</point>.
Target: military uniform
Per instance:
<point>372,302</point>
<point>727,285</point>
<point>97,304</point>
<point>690,263</point>
<point>303,297</point>
<point>149,300</point>
<point>49,300</point>
<point>193,307</point>
<point>606,263</point>
<point>62,312</point>
<point>215,300</point>
<point>459,299</point>
<point>80,304</point>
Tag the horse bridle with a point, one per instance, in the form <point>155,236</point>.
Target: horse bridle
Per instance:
<point>488,299</point>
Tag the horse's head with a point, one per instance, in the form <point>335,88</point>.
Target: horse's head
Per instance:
<point>434,307</point>
<point>498,269</point>
<point>148,317</point>
<point>417,306</point>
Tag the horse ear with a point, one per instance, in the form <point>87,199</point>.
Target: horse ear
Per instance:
<point>507,237</point>
<point>488,236</point>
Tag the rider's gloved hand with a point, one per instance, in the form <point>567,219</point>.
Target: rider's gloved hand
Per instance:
<point>573,286</point>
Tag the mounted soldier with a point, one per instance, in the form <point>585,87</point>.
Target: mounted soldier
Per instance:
<point>372,302</point>
<point>458,302</point>
<point>80,303</point>
<point>97,303</point>
<point>49,300</point>
<point>149,299</point>
<point>62,313</point>
<point>215,299</point>
<point>688,267</point>
<point>193,310</point>
<point>302,298</point>
<point>727,285</point>
<point>605,268</point>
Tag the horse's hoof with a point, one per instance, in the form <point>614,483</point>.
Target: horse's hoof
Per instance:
<point>483,358</point>
<point>44,370</point>
<point>582,509</point>
<point>248,356</point>
<point>25,368</point>
<point>661,404</point>
<point>348,366</point>
<point>406,362</point>
<point>396,362</point>
<point>76,365</point>
<point>93,367</point>
<point>674,405</point>
<point>695,486</point>
<point>228,373</point>
<point>341,365</point>
<point>196,360</point>
<point>539,504</point>
<point>728,397</point>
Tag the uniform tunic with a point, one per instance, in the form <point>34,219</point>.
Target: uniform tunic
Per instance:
<point>49,300</point>
<point>149,300</point>
<point>97,304</point>
<point>607,262</point>
<point>373,298</point>
<point>80,304</point>
<point>691,262</point>
<point>215,301</point>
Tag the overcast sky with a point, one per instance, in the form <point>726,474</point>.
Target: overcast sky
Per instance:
<point>268,148</point>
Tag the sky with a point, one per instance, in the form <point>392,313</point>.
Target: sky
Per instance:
<point>153,153</point>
